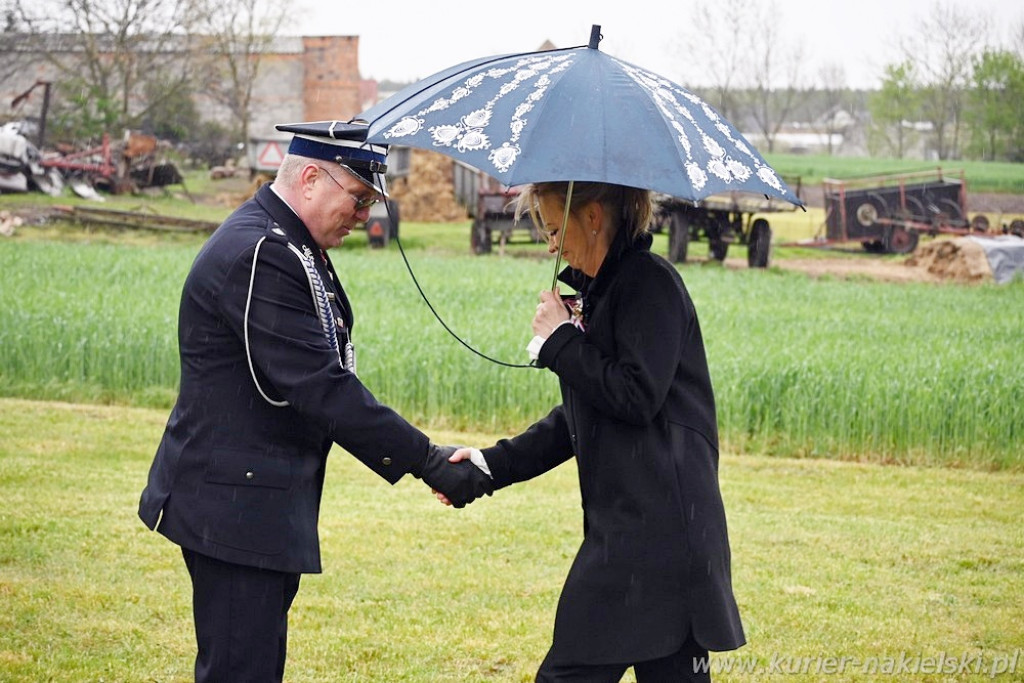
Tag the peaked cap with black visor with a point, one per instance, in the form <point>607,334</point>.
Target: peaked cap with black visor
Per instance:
<point>345,144</point>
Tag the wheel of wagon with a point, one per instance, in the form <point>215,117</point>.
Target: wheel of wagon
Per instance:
<point>870,210</point>
<point>678,237</point>
<point>717,245</point>
<point>1017,227</point>
<point>759,244</point>
<point>899,240</point>
<point>980,223</point>
<point>480,238</point>
<point>719,249</point>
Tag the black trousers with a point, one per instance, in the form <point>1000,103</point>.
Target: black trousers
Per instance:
<point>688,664</point>
<point>241,619</point>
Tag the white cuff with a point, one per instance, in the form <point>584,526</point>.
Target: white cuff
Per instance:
<point>533,348</point>
<point>477,458</point>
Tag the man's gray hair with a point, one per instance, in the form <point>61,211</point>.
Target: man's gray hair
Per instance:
<point>290,168</point>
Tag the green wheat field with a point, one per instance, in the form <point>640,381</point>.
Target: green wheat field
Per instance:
<point>872,469</point>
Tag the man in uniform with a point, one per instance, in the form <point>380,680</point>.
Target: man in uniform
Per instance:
<point>268,384</point>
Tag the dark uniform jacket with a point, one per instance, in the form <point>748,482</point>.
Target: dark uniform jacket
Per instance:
<point>239,472</point>
<point>638,412</point>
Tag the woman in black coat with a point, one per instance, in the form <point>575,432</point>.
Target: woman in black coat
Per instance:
<point>650,586</point>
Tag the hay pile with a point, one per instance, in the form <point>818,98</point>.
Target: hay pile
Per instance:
<point>430,197</point>
<point>960,260</point>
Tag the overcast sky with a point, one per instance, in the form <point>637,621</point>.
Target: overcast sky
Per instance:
<point>402,40</point>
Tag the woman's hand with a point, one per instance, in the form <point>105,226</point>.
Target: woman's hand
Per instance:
<point>551,313</point>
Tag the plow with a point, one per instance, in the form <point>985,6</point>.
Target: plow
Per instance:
<point>116,167</point>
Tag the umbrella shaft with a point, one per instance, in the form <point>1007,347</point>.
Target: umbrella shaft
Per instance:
<point>561,235</point>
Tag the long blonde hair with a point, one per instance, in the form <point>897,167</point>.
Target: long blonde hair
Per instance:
<point>631,204</point>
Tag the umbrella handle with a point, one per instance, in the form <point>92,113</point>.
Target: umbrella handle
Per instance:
<point>561,236</point>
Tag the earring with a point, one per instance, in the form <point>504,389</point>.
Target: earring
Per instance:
<point>593,232</point>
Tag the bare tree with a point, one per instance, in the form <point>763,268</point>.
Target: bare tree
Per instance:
<point>107,55</point>
<point>776,89</point>
<point>717,59</point>
<point>738,54</point>
<point>13,61</point>
<point>834,120</point>
<point>943,48</point>
<point>238,34</point>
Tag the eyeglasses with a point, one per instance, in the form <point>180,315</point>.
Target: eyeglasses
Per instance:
<point>364,203</point>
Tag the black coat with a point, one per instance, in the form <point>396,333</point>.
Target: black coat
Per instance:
<point>638,412</point>
<point>239,472</point>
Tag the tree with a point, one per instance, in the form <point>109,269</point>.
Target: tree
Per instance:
<point>894,107</point>
<point>833,91</point>
<point>994,106</point>
<point>752,75</point>
<point>944,46</point>
<point>776,76</point>
<point>238,33</point>
<point>109,54</point>
<point>174,118</point>
<point>14,60</point>
<point>717,60</point>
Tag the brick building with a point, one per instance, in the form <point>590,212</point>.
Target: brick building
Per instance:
<point>308,78</point>
<point>303,78</point>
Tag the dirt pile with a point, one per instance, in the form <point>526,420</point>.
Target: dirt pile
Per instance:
<point>959,260</point>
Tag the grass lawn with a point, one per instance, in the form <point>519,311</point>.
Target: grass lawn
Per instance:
<point>834,565</point>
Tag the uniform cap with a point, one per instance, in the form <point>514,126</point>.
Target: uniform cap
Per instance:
<point>343,143</point>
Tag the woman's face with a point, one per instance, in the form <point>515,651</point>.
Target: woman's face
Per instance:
<point>581,245</point>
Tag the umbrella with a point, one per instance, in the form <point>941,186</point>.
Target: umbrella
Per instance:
<point>575,114</point>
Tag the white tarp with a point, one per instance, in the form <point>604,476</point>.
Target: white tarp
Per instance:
<point>1005,254</point>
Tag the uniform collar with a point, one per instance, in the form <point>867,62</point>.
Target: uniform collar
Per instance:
<point>285,217</point>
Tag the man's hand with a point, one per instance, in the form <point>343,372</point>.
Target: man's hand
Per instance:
<point>469,454</point>
<point>459,482</point>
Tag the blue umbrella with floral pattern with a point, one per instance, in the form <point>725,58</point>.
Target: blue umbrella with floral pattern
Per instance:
<point>575,114</point>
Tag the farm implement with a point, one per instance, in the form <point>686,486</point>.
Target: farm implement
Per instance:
<point>887,214</point>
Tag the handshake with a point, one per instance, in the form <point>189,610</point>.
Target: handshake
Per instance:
<point>457,483</point>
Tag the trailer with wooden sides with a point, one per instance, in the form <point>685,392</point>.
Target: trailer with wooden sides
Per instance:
<point>721,219</point>
<point>491,206</point>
